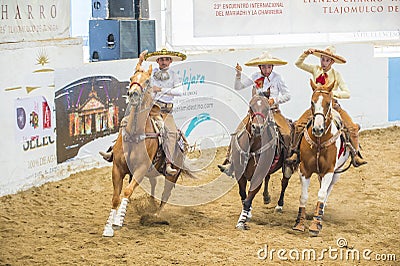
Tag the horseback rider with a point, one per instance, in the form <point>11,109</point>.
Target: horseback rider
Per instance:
<point>165,84</point>
<point>268,83</point>
<point>325,74</point>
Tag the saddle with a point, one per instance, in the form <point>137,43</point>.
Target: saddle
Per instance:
<point>159,160</point>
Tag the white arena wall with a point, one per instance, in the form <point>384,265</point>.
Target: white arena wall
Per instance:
<point>365,74</point>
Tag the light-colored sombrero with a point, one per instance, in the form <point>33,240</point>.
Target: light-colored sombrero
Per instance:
<point>176,56</point>
<point>265,59</point>
<point>330,52</point>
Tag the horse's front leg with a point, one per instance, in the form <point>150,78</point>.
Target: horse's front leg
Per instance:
<point>246,215</point>
<point>138,176</point>
<point>118,178</point>
<point>284,184</point>
<point>266,196</point>
<point>316,224</point>
<point>301,216</point>
<point>242,182</point>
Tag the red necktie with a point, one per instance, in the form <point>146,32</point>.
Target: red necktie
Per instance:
<point>259,82</point>
<point>321,79</point>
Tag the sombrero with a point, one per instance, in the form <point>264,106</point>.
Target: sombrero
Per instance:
<point>265,59</point>
<point>330,52</point>
<point>176,56</point>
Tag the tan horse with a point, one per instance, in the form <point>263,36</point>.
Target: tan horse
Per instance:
<point>136,150</point>
<point>322,151</point>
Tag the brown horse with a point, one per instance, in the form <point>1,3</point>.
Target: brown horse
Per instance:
<point>257,152</point>
<point>322,151</point>
<point>136,149</point>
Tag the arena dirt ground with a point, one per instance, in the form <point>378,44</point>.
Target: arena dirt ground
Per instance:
<point>61,223</point>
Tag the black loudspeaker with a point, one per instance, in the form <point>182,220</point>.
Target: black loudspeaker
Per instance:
<point>147,35</point>
<point>106,9</point>
<point>113,39</point>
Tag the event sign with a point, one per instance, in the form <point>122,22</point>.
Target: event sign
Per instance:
<point>34,20</point>
<point>263,17</point>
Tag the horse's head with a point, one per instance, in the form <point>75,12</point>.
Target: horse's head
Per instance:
<point>259,114</point>
<point>321,107</point>
<point>139,83</point>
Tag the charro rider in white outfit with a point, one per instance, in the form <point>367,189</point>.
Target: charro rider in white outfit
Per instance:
<point>166,84</point>
<point>270,84</point>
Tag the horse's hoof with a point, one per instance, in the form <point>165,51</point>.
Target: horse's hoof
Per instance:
<point>267,200</point>
<point>108,231</point>
<point>279,209</point>
<point>242,226</point>
<point>313,233</point>
<point>299,227</point>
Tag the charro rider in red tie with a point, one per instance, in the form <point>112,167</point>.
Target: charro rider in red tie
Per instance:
<point>268,83</point>
<point>323,74</point>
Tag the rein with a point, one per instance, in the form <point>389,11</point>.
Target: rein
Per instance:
<point>258,152</point>
<point>141,136</point>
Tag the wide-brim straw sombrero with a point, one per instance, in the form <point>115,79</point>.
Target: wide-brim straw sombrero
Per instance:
<point>266,59</point>
<point>330,52</point>
<point>153,56</point>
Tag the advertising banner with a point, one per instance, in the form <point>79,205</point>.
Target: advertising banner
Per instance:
<point>34,20</point>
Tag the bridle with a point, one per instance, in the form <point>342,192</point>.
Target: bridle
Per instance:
<point>258,114</point>
<point>317,144</point>
<point>327,115</point>
<point>136,99</point>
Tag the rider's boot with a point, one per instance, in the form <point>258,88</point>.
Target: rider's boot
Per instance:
<point>108,155</point>
<point>169,170</point>
<point>357,159</point>
<point>294,149</point>
<point>226,166</point>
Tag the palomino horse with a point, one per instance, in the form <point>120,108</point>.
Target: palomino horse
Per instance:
<point>136,150</point>
<point>322,151</point>
<point>257,152</point>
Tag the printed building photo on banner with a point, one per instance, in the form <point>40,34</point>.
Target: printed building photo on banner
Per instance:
<point>87,109</point>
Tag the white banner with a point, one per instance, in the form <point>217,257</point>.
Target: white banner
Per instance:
<point>214,18</point>
<point>34,20</point>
